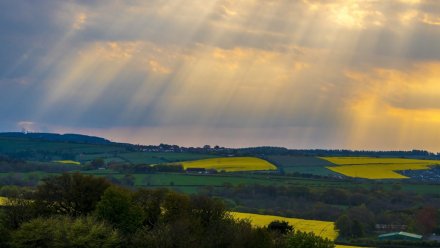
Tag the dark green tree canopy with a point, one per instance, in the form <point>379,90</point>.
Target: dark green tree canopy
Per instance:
<point>73,194</point>
<point>282,227</point>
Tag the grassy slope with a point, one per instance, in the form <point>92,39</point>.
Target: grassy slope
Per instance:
<point>304,165</point>
<point>87,152</point>
<point>161,157</point>
<point>192,183</point>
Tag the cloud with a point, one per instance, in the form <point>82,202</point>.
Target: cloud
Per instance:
<point>396,107</point>
<point>414,89</point>
<point>304,68</point>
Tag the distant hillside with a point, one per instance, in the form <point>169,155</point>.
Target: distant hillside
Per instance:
<point>75,138</point>
<point>14,142</point>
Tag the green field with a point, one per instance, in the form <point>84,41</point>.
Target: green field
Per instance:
<point>191,183</point>
<point>161,157</point>
<point>303,165</point>
<point>48,151</point>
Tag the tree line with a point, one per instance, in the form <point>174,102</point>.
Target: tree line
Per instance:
<point>75,210</point>
<point>356,211</point>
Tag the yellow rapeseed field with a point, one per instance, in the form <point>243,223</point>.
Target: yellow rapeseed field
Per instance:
<point>377,168</point>
<point>325,229</point>
<point>231,164</point>
<point>67,162</point>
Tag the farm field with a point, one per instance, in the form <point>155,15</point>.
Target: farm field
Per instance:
<point>301,164</point>
<point>325,229</point>
<point>231,164</point>
<point>377,168</point>
<point>192,183</point>
<point>161,157</point>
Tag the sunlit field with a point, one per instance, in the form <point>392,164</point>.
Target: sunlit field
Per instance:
<point>325,229</point>
<point>232,164</point>
<point>67,162</point>
<point>377,168</point>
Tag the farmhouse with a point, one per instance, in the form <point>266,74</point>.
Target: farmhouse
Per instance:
<point>400,236</point>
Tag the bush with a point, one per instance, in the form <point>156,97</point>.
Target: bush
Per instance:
<point>65,232</point>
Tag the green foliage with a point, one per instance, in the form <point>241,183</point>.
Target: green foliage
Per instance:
<point>145,218</point>
<point>281,227</point>
<point>300,239</point>
<point>175,206</point>
<point>4,229</point>
<point>116,207</point>
<point>16,211</point>
<point>207,210</point>
<point>66,232</point>
<point>96,163</point>
<point>72,194</point>
<point>150,202</point>
<point>161,218</point>
<point>349,227</point>
<point>343,224</point>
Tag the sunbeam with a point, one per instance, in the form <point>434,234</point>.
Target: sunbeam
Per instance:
<point>303,73</point>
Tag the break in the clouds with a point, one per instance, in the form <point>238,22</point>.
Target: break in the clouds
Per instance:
<point>303,73</point>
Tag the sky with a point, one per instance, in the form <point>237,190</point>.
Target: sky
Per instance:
<point>337,74</point>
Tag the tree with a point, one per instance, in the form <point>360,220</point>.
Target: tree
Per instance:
<point>282,227</point>
<point>72,194</point>
<point>16,211</point>
<point>300,239</point>
<point>116,207</point>
<point>349,227</point>
<point>150,201</point>
<point>175,206</point>
<point>4,230</point>
<point>207,210</point>
<point>343,224</point>
<point>97,163</point>
<point>83,232</point>
<point>357,229</point>
<point>426,219</point>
